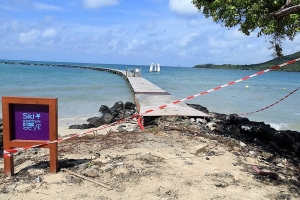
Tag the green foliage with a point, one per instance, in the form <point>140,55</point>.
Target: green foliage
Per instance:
<point>295,67</point>
<point>273,19</point>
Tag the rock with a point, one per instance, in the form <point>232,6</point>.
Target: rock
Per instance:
<point>81,126</point>
<point>256,129</point>
<point>104,109</point>
<point>106,118</point>
<point>188,162</point>
<point>128,113</point>
<point>121,128</point>
<point>92,173</point>
<point>217,125</point>
<point>286,139</point>
<point>73,179</point>
<point>243,120</point>
<point>117,106</point>
<point>129,106</point>
<point>242,144</point>
<point>218,116</point>
<point>95,121</point>
<point>118,115</point>
<point>296,147</point>
<point>200,120</point>
<point>198,107</point>
<point>232,118</point>
<point>232,129</point>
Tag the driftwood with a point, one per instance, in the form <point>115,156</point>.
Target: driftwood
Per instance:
<point>263,173</point>
<point>86,178</point>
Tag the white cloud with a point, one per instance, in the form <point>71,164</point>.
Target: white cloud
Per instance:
<point>187,39</point>
<point>183,7</point>
<point>99,3</point>
<point>193,23</point>
<point>290,47</point>
<point>49,33</point>
<point>29,36</point>
<point>9,8</point>
<point>42,6</point>
<point>148,25</point>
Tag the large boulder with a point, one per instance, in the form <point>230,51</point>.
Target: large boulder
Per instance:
<point>104,109</point>
<point>129,106</point>
<point>95,121</point>
<point>256,129</point>
<point>106,118</point>
<point>198,107</point>
<point>117,107</point>
<point>287,139</point>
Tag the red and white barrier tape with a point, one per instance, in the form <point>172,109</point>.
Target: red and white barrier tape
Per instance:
<point>271,104</point>
<point>6,153</point>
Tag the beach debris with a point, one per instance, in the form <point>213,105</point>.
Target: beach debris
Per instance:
<point>242,144</point>
<point>188,162</point>
<point>201,148</point>
<point>264,173</point>
<point>200,120</point>
<point>38,179</point>
<point>88,179</point>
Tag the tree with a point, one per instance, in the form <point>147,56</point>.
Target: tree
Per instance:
<point>276,20</point>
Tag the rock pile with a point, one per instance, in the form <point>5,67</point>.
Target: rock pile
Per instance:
<point>233,126</point>
<point>109,115</point>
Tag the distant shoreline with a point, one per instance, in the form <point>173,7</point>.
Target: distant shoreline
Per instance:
<point>295,67</point>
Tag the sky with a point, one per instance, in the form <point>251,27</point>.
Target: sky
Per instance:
<point>137,32</point>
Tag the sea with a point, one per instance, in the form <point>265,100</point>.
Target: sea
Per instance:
<point>81,92</point>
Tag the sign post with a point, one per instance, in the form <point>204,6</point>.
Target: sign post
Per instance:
<point>29,121</point>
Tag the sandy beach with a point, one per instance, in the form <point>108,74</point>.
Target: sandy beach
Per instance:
<point>152,164</point>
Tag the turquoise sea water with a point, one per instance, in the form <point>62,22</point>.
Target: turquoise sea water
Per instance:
<point>81,92</point>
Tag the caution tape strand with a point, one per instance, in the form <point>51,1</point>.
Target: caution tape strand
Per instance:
<point>271,104</point>
<point>7,152</point>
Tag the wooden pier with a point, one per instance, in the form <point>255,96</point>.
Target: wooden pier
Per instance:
<point>149,96</point>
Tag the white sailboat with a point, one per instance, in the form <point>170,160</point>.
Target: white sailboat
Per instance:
<point>151,67</point>
<point>158,67</point>
<point>154,67</point>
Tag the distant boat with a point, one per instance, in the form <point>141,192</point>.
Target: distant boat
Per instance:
<point>151,67</point>
<point>154,67</point>
<point>158,67</point>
